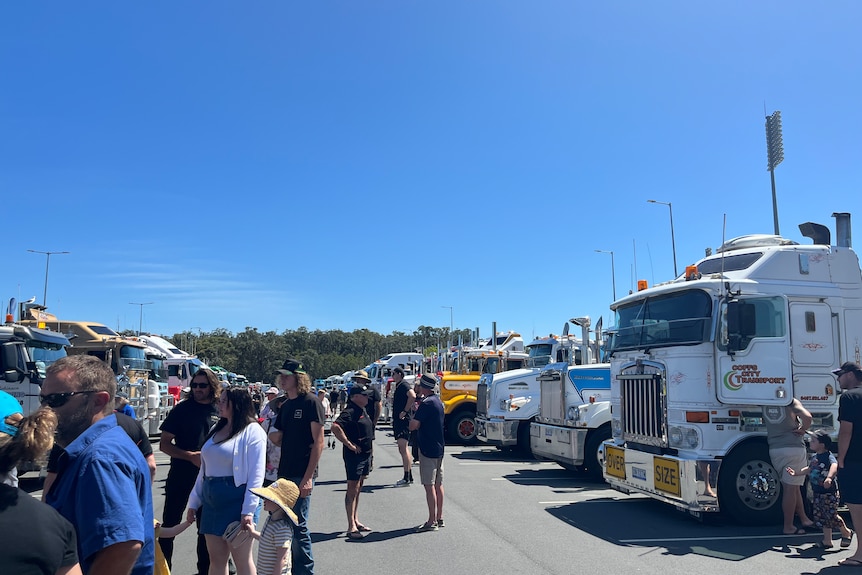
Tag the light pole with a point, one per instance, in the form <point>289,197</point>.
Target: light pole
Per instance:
<point>672,241</point>
<point>613,272</point>
<point>47,263</point>
<point>141,320</point>
<point>451,323</point>
<point>774,156</point>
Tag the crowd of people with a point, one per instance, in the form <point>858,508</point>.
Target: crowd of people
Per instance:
<point>229,462</point>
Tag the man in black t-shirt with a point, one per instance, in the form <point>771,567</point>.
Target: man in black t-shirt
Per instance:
<point>402,406</point>
<point>300,423</point>
<point>850,446</point>
<point>355,429</point>
<point>184,432</point>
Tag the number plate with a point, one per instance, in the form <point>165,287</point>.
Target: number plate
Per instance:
<point>615,462</point>
<point>667,475</point>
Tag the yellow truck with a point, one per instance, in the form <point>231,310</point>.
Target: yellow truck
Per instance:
<point>458,386</point>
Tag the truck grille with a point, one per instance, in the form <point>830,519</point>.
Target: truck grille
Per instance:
<point>482,399</point>
<point>643,399</point>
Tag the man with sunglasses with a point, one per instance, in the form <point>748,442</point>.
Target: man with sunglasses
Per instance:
<point>184,432</point>
<point>103,483</point>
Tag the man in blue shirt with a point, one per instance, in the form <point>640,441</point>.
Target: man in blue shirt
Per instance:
<point>103,483</point>
<point>428,423</point>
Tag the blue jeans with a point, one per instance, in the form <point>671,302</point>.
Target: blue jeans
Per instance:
<point>303,560</point>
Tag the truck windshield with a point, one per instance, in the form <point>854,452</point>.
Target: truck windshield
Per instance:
<point>159,370</point>
<point>133,357</point>
<point>679,318</point>
<point>44,354</point>
<point>540,354</point>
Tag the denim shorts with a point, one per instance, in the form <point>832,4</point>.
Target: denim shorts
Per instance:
<point>222,504</point>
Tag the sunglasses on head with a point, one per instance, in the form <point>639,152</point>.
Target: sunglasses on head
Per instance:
<point>200,384</point>
<point>60,399</point>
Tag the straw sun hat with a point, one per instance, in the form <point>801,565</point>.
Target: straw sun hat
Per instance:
<point>283,493</point>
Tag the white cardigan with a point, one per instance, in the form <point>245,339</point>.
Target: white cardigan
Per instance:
<point>249,466</point>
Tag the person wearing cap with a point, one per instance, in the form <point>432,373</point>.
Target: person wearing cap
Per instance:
<point>850,446</point>
<point>375,405</point>
<point>121,405</point>
<point>300,423</point>
<point>54,549</point>
<point>355,429</point>
<point>270,394</point>
<point>402,404</point>
<point>785,431</point>
<point>103,483</point>
<point>276,537</point>
<point>428,423</point>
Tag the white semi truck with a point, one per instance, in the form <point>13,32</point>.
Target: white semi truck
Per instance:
<point>508,402</point>
<point>696,360</point>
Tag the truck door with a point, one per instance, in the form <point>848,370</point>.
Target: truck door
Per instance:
<point>813,353</point>
<point>754,352</point>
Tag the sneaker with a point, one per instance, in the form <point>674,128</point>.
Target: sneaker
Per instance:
<point>426,527</point>
<point>440,523</point>
<point>402,483</point>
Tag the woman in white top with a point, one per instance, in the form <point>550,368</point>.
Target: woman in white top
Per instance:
<point>232,463</point>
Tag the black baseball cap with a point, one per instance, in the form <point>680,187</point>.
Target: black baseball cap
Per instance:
<point>358,389</point>
<point>847,367</point>
<point>291,367</point>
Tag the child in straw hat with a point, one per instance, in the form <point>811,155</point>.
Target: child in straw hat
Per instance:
<point>273,553</point>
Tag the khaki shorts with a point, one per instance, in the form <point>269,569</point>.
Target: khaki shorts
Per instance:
<point>784,457</point>
<point>430,470</point>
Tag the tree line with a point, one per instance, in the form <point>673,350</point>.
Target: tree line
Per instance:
<point>258,354</point>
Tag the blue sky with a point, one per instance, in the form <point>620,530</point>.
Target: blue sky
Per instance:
<point>346,165</point>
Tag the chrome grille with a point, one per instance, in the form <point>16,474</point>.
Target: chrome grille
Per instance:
<point>482,399</point>
<point>643,399</point>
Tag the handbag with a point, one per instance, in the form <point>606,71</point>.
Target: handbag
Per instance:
<point>235,535</point>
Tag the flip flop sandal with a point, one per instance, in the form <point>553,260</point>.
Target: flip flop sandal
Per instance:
<point>363,528</point>
<point>845,541</point>
<point>355,535</point>
<point>849,562</point>
<point>821,545</point>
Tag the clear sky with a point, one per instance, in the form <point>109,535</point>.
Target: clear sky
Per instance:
<point>360,164</point>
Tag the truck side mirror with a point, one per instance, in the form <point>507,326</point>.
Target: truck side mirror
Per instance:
<point>12,372</point>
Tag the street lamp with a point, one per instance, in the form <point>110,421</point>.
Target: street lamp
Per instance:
<point>451,323</point>
<point>672,241</point>
<point>47,263</point>
<point>141,320</point>
<point>613,272</point>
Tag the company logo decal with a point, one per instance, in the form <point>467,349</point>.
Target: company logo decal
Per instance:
<point>742,374</point>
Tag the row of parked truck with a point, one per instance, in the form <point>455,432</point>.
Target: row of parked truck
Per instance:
<point>151,372</point>
<point>675,411</point>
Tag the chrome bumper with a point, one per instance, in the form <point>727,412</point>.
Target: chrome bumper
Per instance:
<point>563,444</point>
<point>498,432</point>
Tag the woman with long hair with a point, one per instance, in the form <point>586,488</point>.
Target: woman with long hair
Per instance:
<point>36,539</point>
<point>233,461</point>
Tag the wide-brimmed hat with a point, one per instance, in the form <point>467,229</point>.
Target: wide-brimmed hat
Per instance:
<point>272,390</point>
<point>8,406</point>
<point>283,493</point>
<point>847,367</point>
<point>291,367</point>
<point>362,374</point>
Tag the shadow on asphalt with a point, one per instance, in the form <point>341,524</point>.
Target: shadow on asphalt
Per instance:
<point>370,537</point>
<point>494,455</point>
<point>641,522</point>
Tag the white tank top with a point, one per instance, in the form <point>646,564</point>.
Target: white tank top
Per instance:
<point>218,457</point>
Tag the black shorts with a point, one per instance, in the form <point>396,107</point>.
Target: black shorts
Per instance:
<point>400,429</point>
<point>357,466</point>
<point>850,482</point>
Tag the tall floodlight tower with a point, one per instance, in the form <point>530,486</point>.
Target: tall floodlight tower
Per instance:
<point>775,155</point>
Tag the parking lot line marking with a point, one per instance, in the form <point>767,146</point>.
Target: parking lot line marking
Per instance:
<point>716,538</point>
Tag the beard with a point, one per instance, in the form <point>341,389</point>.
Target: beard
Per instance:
<point>73,425</point>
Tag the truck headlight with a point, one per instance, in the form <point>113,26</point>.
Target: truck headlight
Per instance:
<point>692,439</point>
<point>573,414</point>
<point>675,437</point>
<point>617,427</point>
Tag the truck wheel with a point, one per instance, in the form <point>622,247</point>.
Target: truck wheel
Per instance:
<point>463,427</point>
<point>592,461</point>
<point>749,489</point>
<point>524,437</point>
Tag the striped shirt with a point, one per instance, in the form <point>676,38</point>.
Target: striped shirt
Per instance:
<point>277,534</point>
